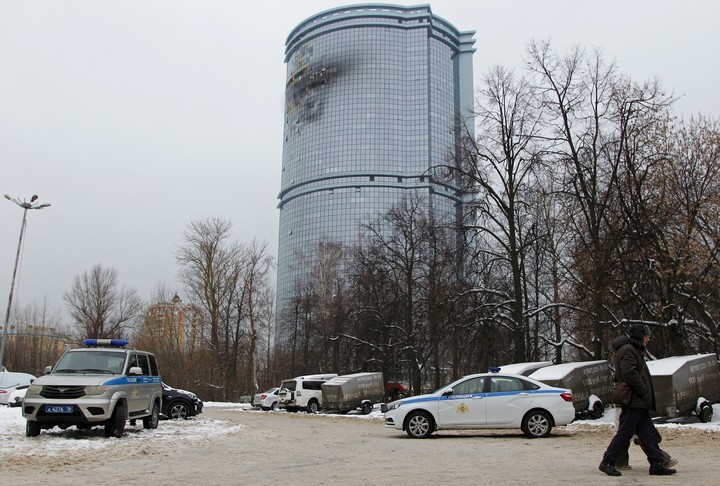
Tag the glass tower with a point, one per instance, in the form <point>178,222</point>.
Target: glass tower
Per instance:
<point>375,97</point>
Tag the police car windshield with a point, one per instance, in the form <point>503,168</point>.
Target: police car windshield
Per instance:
<point>91,362</point>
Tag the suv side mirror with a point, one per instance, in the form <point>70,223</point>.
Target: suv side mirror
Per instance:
<point>48,369</point>
<point>135,370</point>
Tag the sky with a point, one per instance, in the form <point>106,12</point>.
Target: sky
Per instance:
<point>133,118</point>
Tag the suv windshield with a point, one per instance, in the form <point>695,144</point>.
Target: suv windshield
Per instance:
<point>91,362</point>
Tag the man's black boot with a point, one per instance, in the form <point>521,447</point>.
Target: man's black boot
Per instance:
<point>660,470</point>
<point>610,470</point>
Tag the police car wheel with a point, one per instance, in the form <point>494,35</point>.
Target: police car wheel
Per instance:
<point>419,425</point>
<point>115,427</point>
<point>151,422</point>
<point>32,429</point>
<point>537,424</point>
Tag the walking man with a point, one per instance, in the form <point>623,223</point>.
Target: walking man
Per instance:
<point>630,368</point>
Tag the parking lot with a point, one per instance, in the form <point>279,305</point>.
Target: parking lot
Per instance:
<point>233,445</point>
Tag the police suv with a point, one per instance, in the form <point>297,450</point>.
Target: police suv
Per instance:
<point>103,383</point>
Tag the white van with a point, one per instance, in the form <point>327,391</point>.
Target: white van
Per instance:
<point>303,392</point>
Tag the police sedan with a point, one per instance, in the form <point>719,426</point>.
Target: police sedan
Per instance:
<point>484,401</point>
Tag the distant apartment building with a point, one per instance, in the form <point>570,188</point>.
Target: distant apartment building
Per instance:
<point>174,323</point>
<point>376,96</point>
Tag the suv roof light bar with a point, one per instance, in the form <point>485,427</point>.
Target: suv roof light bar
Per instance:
<point>106,342</point>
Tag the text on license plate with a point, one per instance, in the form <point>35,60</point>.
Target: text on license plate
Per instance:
<point>58,409</point>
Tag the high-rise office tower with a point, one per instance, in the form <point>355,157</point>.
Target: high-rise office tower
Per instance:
<point>376,96</point>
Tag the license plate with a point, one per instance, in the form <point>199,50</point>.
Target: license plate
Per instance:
<point>59,409</point>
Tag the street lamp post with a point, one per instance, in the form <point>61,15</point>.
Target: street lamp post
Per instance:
<point>25,205</point>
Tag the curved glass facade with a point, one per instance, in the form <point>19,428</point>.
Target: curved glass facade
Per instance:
<point>375,97</point>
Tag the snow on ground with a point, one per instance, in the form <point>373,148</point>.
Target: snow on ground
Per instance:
<point>57,441</point>
<point>685,422</point>
<point>201,428</point>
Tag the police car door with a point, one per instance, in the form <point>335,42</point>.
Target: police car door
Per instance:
<point>507,401</point>
<point>138,391</point>
<point>464,407</point>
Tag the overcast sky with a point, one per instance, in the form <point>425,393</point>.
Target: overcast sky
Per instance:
<point>135,117</point>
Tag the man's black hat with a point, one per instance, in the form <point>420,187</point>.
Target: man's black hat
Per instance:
<point>637,331</point>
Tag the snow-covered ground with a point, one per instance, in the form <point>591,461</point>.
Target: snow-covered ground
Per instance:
<point>200,428</point>
<point>57,441</point>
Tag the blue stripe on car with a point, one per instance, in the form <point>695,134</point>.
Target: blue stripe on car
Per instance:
<point>133,379</point>
<point>483,394</point>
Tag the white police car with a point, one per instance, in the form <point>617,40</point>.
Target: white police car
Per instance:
<point>104,383</point>
<point>484,401</point>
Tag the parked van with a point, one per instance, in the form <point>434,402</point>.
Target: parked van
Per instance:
<point>303,392</point>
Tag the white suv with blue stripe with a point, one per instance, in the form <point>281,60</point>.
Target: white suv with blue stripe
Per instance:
<point>104,384</point>
<point>484,401</point>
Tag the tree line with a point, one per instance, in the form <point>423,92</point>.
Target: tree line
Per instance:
<point>590,206</point>
<point>218,345</point>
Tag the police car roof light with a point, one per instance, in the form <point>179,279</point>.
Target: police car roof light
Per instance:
<point>105,342</point>
<point>493,370</point>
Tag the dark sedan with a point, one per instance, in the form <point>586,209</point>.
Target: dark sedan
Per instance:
<point>179,404</point>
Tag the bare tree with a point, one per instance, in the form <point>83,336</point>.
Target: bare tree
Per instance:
<point>502,164</point>
<point>37,338</point>
<point>254,302</point>
<point>210,267</point>
<point>593,118</point>
<point>673,204</point>
<point>403,283</point>
<point>99,307</point>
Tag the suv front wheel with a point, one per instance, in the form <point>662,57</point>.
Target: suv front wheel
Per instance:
<point>115,427</point>
<point>32,429</point>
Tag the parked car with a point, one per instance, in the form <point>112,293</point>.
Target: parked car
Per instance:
<point>179,404</point>
<point>10,381</point>
<point>15,398</point>
<point>303,392</point>
<point>267,400</point>
<point>484,401</point>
